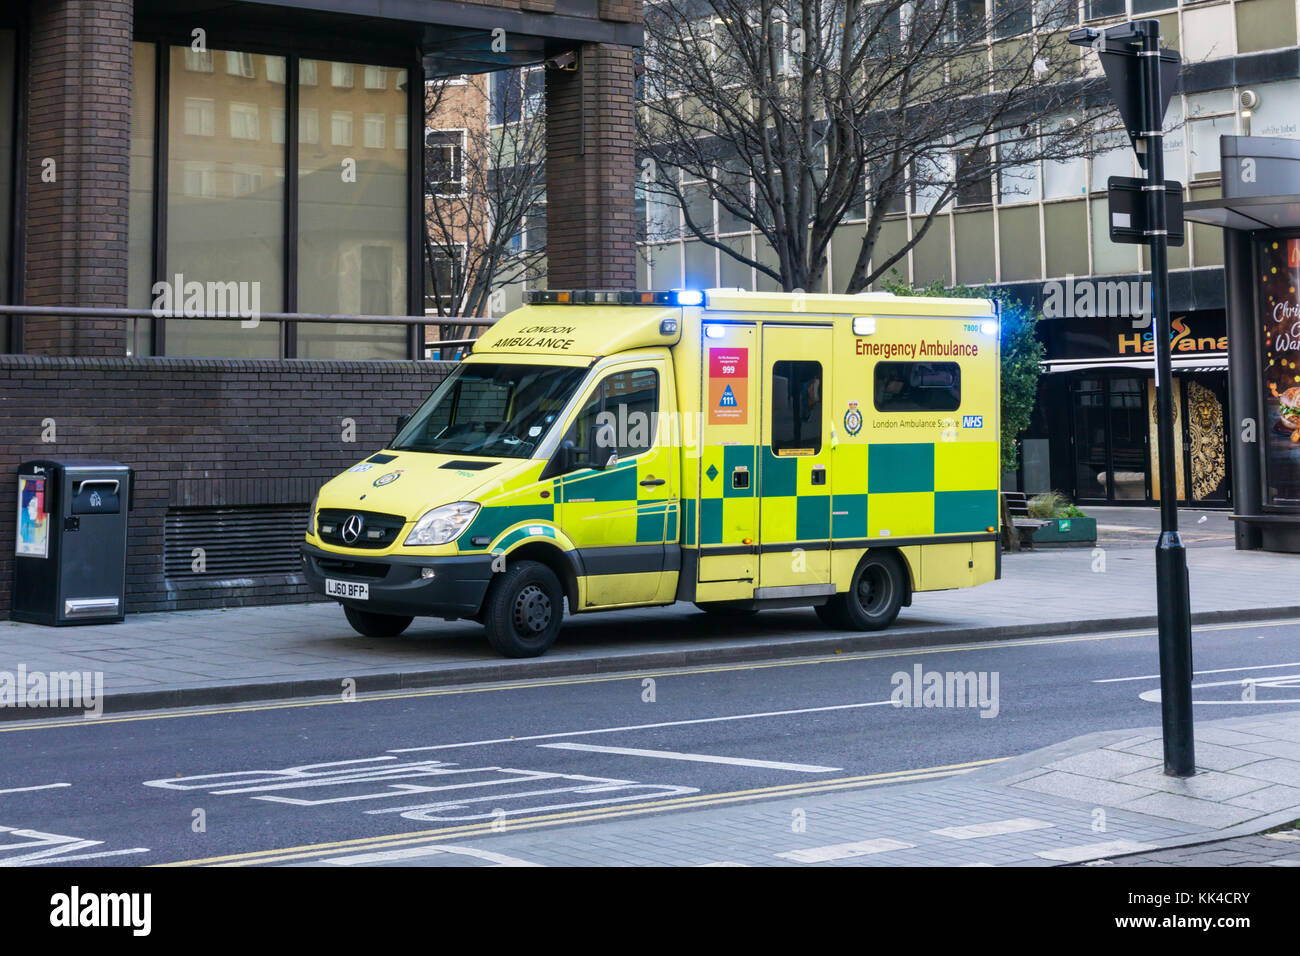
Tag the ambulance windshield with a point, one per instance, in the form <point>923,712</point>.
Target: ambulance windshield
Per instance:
<point>490,409</point>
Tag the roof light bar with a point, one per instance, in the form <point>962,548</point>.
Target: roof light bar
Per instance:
<point>675,297</point>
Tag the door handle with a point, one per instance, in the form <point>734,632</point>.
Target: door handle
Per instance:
<point>652,482</point>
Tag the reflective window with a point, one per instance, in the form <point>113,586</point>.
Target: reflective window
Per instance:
<point>225,205</point>
<point>917,386</point>
<point>352,215</point>
<point>796,408</point>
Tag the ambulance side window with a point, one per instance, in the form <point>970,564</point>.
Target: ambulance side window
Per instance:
<point>628,401</point>
<point>796,408</point>
<point>917,386</point>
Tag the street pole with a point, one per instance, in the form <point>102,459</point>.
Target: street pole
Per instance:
<point>1172,593</point>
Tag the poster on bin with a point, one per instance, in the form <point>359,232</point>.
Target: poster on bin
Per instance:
<point>33,518</point>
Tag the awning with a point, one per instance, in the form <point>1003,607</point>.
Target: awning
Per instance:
<point>1180,363</point>
<point>1247,214</point>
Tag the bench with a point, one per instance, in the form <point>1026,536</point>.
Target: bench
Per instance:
<point>1017,526</point>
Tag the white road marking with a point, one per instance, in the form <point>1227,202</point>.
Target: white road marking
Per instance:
<point>993,828</point>
<point>1076,854</point>
<point>1272,682</point>
<point>415,852</point>
<point>1218,670</point>
<point>32,861</point>
<point>844,851</point>
<point>44,786</point>
<point>667,723</point>
<point>697,758</point>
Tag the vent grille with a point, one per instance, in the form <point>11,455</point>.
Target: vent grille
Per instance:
<point>378,530</point>
<point>236,542</point>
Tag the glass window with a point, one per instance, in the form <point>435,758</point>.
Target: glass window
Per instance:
<point>225,211</point>
<point>307,72</point>
<point>140,264</point>
<point>444,162</point>
<point>352,244</point>
<point>1011,18</point>
<point>198,61</point>
<point>796,408</point>
<point>376,124</point>
<point>309,126</point>
<point>1063,178</point>
<point>1112,156</point>
<point>974,177</point>
<point>629,403</point>
<point>341,127</point>
<point>1019,182</point>
<point>240,64</point>
<point>341,75</point>
<point>491,410</point>
<point>1203,141</point>
<point>1275,114</point>
<point>376,78</point>
<point>243,121</point>
<point>200,116</point>
<point>275,68</point>
<point>1096,9</point>
<point>917,386</point>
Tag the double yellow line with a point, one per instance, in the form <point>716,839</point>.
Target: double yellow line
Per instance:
<point>491,827</point>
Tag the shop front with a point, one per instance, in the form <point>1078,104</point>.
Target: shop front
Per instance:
<point>1093,430</point>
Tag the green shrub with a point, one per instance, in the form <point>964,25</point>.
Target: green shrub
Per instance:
<point>1053,504</point>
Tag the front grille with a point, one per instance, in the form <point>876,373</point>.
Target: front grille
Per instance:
<point>363,570</point>
<point>233,542</point>
<point>378,530</point>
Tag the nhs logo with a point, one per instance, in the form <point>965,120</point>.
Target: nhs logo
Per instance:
<point>972,421</point>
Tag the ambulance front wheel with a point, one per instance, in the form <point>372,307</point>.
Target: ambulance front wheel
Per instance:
<point>523,610</point>
<point>372,624</point>
<point>874,596</point>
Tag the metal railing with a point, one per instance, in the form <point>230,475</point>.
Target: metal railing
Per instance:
<point>317,318</point>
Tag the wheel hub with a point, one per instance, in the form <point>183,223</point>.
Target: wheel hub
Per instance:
<point>532,611</point>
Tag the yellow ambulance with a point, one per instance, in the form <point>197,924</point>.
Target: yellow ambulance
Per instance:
<point>738,450</point>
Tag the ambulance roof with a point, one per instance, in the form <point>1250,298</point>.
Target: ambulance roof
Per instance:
<point>585,323</point>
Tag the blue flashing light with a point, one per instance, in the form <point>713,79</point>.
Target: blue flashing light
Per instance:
<point>989,327</point>
<point>687,297</point>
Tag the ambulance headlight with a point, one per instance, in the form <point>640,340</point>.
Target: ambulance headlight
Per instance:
<point>443,524</point>
<point>311,515</point>
<point>989,327</point>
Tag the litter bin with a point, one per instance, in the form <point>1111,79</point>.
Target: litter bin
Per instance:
<point>70,552</point>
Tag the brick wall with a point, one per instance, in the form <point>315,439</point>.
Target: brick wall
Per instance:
<point>79,117</point>
<point>199,432</point>
<point>590,169</point>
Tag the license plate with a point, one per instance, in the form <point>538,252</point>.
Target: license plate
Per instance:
<point>347,589</point>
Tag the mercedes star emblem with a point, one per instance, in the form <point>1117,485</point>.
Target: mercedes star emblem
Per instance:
<point>352,528</point>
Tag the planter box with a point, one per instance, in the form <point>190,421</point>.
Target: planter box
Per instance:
<point>1066,531</point>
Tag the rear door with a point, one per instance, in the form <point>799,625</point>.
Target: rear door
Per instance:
<point>795,467</point>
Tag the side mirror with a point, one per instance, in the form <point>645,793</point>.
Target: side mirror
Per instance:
<point>401,423</point>
<point>566,457</point>
<point>604,446</point>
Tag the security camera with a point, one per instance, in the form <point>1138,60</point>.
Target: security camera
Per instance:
<point>564,61</point>
<point>1249,99</point>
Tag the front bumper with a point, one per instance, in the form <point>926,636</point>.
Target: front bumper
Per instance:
<point>396,587</point>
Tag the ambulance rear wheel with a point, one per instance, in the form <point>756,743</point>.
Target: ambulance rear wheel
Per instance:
<point>373,624</point>
<point>874,596</point>
<point>523,610</point>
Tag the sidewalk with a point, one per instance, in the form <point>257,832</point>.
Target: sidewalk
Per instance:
<point>1102,797</point>
<point>220,656</point>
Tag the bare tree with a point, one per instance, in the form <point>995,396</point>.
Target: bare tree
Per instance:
<point>794,122</point>
<point>484,183</point>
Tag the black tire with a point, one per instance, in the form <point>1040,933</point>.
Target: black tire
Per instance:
<point>523,610</point>
<point>726,610</point>
<point>374,624</point>
<point>874,596</point>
